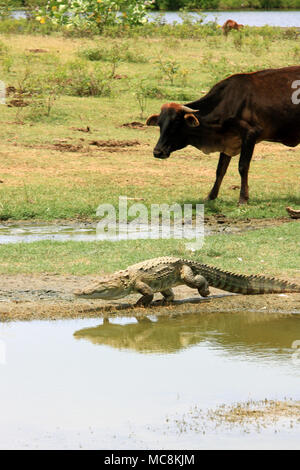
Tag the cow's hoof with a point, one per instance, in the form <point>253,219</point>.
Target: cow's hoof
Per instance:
<point>242,202</point>
<point>210,198</point>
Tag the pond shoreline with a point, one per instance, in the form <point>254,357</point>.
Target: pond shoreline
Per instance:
<point>50,297</point>
<point>249,17</point>
<point>30,231</point>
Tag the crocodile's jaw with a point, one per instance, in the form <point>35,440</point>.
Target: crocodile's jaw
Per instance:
<point>102,293</point>
<point>99,295</point>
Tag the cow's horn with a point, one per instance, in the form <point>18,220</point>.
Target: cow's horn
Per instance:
<point>188,110</point>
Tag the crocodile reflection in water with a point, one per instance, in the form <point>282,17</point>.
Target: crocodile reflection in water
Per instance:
<point>244,332</point>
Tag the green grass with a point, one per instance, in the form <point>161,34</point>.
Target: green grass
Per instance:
<point>272,251</point>
<point>40,182</point>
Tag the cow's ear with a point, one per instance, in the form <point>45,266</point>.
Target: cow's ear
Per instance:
<point>152,120</point>
<point>191,120</point>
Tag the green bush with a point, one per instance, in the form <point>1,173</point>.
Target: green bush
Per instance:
<point>76,79</point>
<point>173,93</point>
<point>116,53</point>
<point>95,13</point>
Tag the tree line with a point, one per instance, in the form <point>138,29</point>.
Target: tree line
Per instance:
<point>226,4</point>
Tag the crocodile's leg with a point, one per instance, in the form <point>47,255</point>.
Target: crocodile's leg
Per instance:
<point>195,281</point>
<point>143,320</point>
<point>147,293</point>
<point>168,295</point>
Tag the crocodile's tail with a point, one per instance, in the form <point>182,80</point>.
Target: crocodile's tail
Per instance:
<point>242,284</point>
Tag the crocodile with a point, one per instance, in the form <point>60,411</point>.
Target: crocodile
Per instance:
<point>161,274</point>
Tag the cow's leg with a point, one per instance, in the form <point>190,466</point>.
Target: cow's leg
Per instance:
<point>244,164</point>
<point>224,161</point>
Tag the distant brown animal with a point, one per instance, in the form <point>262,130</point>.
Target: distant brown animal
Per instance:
<point>229,25</point>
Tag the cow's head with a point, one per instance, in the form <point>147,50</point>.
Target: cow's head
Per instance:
<point>174,121</point>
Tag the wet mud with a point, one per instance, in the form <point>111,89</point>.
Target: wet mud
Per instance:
<point>134,125</point>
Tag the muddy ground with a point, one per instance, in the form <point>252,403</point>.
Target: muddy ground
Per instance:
<point>32,297</point>
<point>87,145</point>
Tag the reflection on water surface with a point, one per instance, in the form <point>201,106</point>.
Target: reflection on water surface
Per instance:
<point>122,384</point>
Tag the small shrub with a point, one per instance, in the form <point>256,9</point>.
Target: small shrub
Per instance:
<point>258,45</point>
<point>141,95</point>
<point>79,81</point>
<point>117,53</point>
<point>172,93</point>
<point>237,40</point>
<point>296,53</point>
<point>169,68</point>
<point>171,43</point>
<point>290,33</point>
<point>3,49</point>
<point>220,69</point>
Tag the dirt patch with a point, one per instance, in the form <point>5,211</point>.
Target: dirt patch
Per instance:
<point>119,77</point>
<point>10,90</point>
<point>38,51</point>
<point>17,103</point>
<point>32,297</point>
<point>219,223</point>
<point>64,145</point>
<point>134,125</point>
<point>115,145</point>
<point>81,129</point>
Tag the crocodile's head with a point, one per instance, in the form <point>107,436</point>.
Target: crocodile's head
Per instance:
<point>105,288</point>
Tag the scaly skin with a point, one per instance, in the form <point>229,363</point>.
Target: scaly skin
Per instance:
<point>161,274</point>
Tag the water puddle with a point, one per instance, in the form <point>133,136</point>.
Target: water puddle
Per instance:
<point>29,234</point>
<point>87,231</point>
<point>128,383</point>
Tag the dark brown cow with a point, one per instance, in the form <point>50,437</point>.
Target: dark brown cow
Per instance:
<point>236,113</point>
<point>229,25</point>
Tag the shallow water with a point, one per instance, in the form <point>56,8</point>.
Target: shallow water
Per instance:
<point>123,383</point>
<point>251,18</point>
<point>23,233</point>
<point>20,233</point>
<point>29,234</point>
